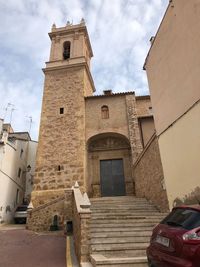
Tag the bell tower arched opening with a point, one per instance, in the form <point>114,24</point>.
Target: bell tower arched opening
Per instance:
<point>66,50</point>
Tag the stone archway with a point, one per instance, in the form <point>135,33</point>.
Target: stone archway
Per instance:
<point>109,165</point>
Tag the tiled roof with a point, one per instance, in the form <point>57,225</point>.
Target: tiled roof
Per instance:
<point>120,94</point>
<point>113,94</point>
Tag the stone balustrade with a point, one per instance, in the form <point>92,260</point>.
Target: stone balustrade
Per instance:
<point>81,219</point>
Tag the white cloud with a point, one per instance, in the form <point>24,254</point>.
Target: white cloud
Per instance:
<point>119,31</point>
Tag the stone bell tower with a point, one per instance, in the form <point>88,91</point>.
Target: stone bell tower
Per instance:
<point>61,151</point>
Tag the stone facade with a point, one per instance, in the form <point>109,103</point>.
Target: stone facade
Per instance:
<point>41,218</point>
<point>60,157</point>
<point>81,226</point>
<point>61,152</point>
<point>74,135</point>
<point>149,177</point>
<point>134,135</point>
<point>143,106</point>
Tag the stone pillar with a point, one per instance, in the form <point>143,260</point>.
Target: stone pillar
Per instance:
<point>134,133</point>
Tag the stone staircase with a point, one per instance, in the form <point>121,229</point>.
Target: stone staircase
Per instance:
<point>120,231</point>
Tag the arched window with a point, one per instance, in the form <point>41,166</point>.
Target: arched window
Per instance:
<point>66,50</point>
<point>104,112</point>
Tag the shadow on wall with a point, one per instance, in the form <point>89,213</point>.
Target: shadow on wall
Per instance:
<point>190,199</point>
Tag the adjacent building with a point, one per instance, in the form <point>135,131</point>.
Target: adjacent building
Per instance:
<point>172,67</point>
<point>17,163</point>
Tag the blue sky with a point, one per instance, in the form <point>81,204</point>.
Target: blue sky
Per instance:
<point>119,33</point>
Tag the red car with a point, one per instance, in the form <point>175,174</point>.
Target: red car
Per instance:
<point>175,241</point>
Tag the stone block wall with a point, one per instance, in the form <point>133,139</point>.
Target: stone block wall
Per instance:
<point>134,132</point>
<point>41,218</point>
<point>81,229</point>
<point>148,176</point>
<point>143,105</point>
<point>81,224</point>
<point>61,149</point>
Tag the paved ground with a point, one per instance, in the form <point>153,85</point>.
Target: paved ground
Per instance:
<point>23,248</point>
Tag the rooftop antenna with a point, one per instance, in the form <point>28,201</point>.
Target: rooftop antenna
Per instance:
<point>6,109</point>
<point>11,112</point>
<point>30,123</point>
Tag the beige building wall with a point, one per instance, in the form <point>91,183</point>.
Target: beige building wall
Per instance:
<point>31,156</point>
<point>117,121</point>
<point>173,63</point>
<point>15,156</point>
<point>145,118</point>
<point>12,185</point>
<point>1,125</point>
<point>180,154</point>
<point>147,128</point>
<point>172,66</point>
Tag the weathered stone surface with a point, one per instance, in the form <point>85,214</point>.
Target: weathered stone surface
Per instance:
<point>134,134</point>
<point>81,223</point>
<point>49,205</point>
<point>64,153</point>
<point>149,177</point>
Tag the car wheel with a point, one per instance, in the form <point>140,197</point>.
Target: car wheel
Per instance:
<point>150,264</point>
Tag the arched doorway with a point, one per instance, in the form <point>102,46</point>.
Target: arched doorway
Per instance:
<point>109,165</point>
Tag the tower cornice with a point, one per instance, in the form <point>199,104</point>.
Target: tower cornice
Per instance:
<point>72,29</point>
<point>52,67</point>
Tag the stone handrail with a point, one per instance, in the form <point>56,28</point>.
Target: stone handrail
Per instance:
<point>42,206</point>
<point>81,219</point>
<point>82,201</point>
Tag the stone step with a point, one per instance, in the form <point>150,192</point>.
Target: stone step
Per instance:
<point>120,203</point>
<point>109,229</point>
<point>120,230</point>
<point>102,261</point>
<point>143,208</point>
<point>122,234</point>
<point>102,217</point>
<point>126,215</point>
<point>120,247</point>
<point>117,209</point>
<point>123,253</point>
<point>130,219</point>
<point>104,209</point>
<point>125,224</point>
<point>127,201</point>
<point>118,213</point>
<point>120,240</point>
<point>116,198</point>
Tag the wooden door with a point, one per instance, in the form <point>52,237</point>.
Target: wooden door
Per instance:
<point>112,177</point>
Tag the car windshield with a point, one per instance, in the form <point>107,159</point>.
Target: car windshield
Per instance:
<point>185,218</point>
<point>21,208</point>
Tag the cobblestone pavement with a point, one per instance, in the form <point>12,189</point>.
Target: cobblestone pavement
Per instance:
<point>23,248</point>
